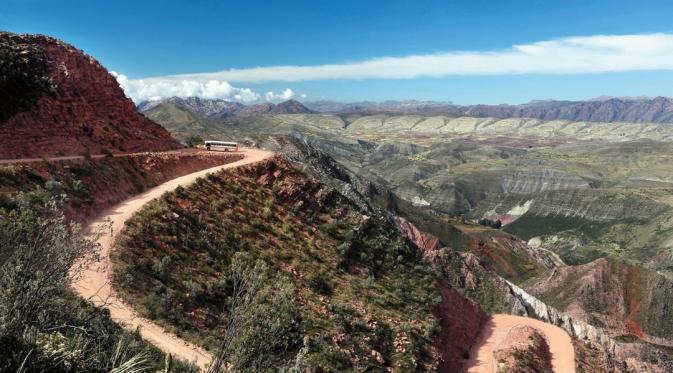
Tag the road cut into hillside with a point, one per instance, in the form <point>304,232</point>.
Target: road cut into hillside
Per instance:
<point>498,327</point>
<point>94,281</point>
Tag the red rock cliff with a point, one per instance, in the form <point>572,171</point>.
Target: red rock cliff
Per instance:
<point>83,109</point>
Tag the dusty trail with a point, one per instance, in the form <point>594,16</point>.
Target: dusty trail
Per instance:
<point>94,283</point>
<point>93,156</point>
<point>497,328</point>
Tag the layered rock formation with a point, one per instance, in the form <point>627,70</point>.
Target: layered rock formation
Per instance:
<point>79,107</point>
<point>535,308</point>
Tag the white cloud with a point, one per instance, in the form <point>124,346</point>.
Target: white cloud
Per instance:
<point>156,89</point>
<point>281,96</point>
<point>574,55</point>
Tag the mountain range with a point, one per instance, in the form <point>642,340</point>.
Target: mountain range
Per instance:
<point>219,108</point>
<point>601,109</point>
<point>612,109</point>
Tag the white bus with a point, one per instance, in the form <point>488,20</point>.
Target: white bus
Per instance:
<point>221,145</point>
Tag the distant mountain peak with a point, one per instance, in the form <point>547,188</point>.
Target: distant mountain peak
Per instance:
<point>221,108</point>
<point>290,106</point>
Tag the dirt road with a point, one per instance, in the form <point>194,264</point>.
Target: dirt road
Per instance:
<point>93,156</point>
<point>497,328</point>
<point>94,283</point>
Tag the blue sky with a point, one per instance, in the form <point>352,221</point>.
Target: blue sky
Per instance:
<point>155,39</point>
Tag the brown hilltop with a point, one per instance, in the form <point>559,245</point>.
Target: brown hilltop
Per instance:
<point>56,100</point>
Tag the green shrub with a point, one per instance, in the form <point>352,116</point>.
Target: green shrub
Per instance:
<point>263,317</point>
<point>318,283</point>
<point>43,326</point>
<point>7,202</point>
<point>54,187</point>
<point>80,190</point>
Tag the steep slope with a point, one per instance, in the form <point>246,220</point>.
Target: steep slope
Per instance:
<point>62,102</point>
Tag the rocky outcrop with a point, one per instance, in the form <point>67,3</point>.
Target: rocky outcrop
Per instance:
<point>525,182</point>
<point>626,299</point>
<point>596,347</point>
<point>82,109</point>
<point>535,308</point>
<point>424,241</point>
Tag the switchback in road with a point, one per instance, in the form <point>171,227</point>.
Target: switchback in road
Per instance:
<point>496,330</point>
<point>95,281</point>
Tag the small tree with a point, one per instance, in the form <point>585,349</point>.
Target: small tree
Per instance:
<point>262,318</point>
<point>37,252</point>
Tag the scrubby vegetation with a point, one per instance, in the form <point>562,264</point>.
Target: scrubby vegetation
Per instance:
<point>22,76</point>
<point>43,325</point>
<point>496,224</point>
<point>530,356</point>
<point>326,286</point>
<point>481,286</point>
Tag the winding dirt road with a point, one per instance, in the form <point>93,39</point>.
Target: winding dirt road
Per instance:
<point>93,156</point>
<point>94,282</point>
<point>495,331</point>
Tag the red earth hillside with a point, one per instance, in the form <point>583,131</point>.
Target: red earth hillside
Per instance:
<point>56,100</point>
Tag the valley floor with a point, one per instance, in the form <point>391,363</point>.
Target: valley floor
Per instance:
<point>94,283</point>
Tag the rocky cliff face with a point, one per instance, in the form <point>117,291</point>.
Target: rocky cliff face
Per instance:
<point>593,344</point>
<point>535,308</point>
<point>75,105</point>
<point>423,241</point>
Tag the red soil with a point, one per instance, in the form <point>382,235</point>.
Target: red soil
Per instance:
<point>111,180</point>
<point>461,322</point>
